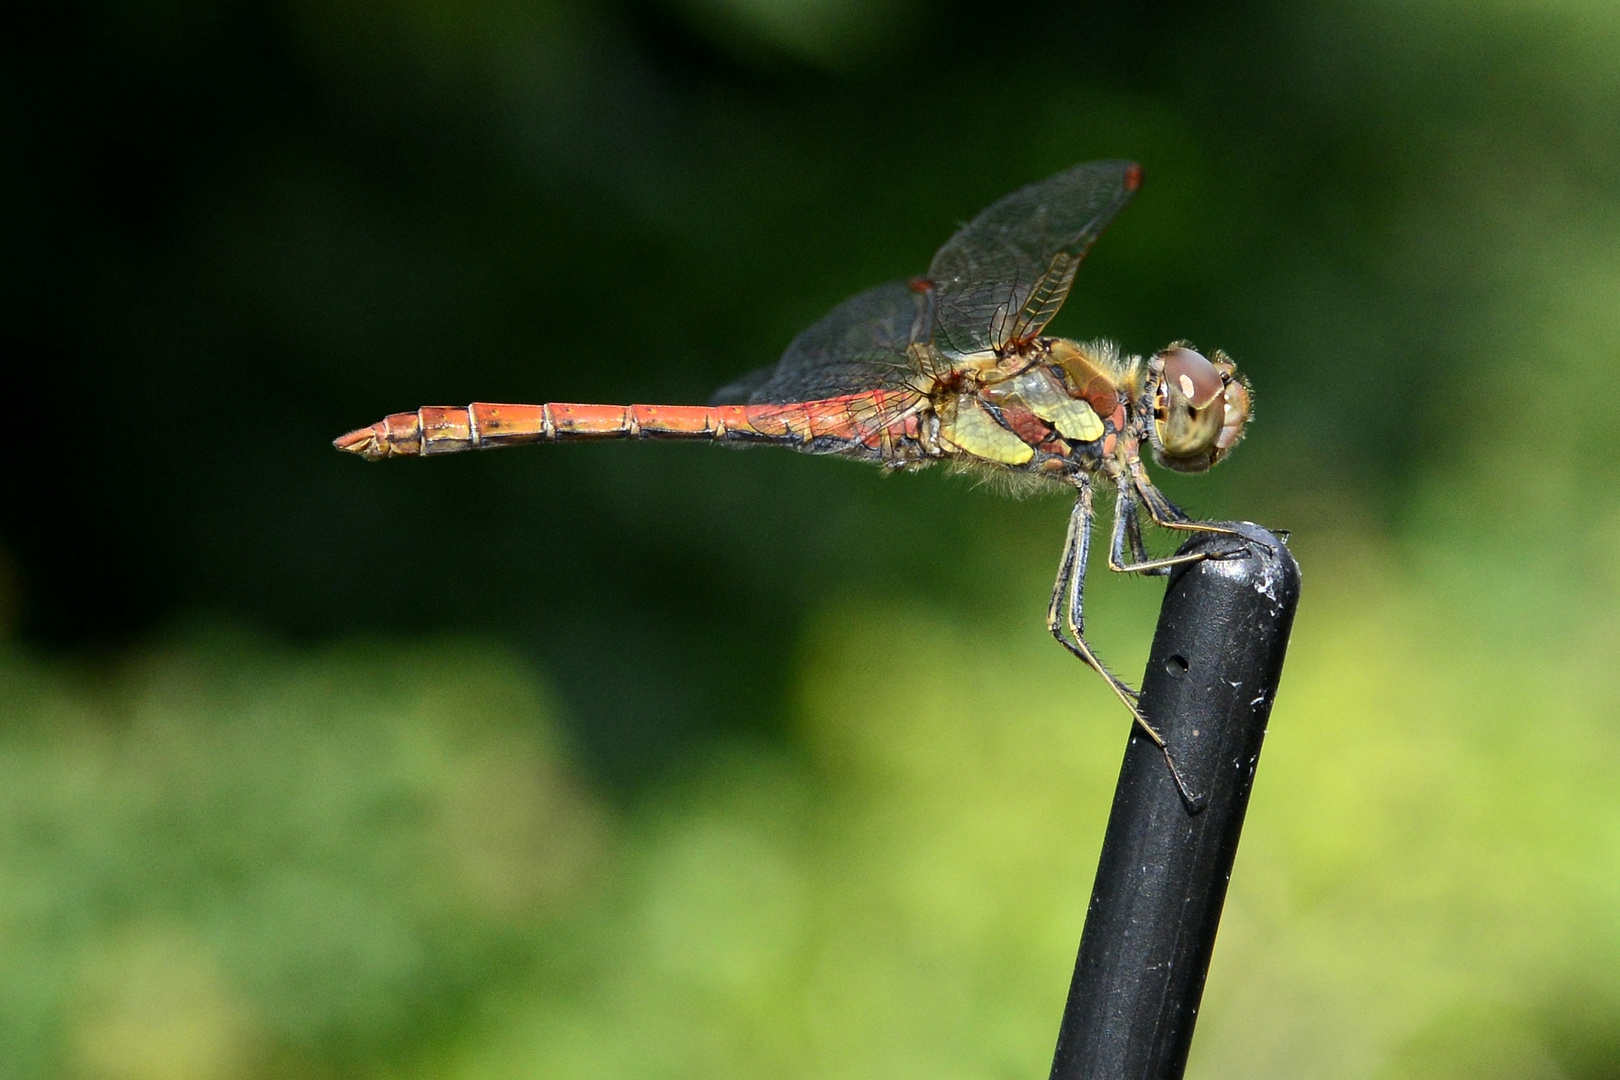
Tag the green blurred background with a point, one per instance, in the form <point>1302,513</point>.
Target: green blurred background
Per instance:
<point>666,761</point>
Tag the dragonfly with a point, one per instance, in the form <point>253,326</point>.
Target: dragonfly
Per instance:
<point>950,367</point>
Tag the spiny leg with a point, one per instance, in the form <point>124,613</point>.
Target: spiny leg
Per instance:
<point>1068,594</point>
<point>1167,515</point>
<point>1126,518</point>
<point>1133,522</point>
<point>1068,598</point>
<point>1060,588</point>
<point>1128,528</point>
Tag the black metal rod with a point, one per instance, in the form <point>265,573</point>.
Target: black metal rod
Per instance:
<point>1161,879</point>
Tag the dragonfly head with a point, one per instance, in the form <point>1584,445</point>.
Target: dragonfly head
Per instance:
<point>1199,407</point>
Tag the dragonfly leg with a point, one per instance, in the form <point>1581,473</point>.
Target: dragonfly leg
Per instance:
<point>1167,515</point>
<point>1128,528</point>
<point>1065,618</point>
<point>1133,523</point>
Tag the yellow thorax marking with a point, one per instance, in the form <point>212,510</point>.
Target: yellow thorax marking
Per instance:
<point>976,432</point>
<point>1074,418</point>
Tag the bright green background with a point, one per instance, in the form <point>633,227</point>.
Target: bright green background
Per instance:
<point>666,761</point>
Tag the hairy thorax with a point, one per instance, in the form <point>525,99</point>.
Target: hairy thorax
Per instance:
<point>1048,409</point>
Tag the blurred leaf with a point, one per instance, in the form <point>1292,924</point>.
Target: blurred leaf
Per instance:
<point>224,856</point>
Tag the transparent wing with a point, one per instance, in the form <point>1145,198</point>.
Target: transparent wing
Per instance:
<point>1005,274</point>
<point>999,280</point>
<point>858,346</point>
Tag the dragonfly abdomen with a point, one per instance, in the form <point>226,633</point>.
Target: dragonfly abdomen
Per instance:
<point>861,424</point>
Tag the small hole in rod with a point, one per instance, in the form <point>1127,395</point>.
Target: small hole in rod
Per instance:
<point>1176,664</point>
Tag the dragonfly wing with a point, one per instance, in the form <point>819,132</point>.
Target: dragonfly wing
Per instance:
<point>861,345</point>
<point>1005,274</point>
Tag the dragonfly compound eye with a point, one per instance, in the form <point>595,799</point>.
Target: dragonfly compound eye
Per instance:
<point>1199,409</point>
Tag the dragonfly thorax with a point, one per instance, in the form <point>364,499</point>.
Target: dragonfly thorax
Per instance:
<point>1049,407</point>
